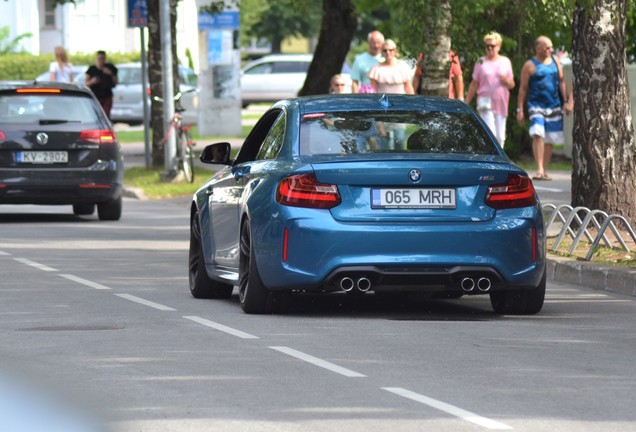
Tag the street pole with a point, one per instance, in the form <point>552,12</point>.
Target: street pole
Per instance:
<point>168,90</point>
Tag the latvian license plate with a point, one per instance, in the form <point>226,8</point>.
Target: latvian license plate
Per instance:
<point>430,198</point>
<point>42,157</point>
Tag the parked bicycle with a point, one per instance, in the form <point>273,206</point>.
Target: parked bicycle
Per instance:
<point>183,139</point>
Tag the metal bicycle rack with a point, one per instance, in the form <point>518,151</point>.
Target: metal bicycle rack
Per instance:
<point>581,227</point>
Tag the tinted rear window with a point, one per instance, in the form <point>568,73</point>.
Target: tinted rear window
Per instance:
<point>43,108</point>
<point>396,132</point>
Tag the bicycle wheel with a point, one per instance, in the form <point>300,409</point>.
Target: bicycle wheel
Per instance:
<point>187,157</point>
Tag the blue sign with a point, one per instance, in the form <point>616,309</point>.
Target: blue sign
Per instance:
<point>227,20</point>
<point>137,13</point>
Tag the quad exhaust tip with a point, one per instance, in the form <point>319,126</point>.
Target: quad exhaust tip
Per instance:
<point>362,284</point>
<point>483,284</point>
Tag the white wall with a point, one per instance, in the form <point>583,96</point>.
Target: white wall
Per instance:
<point>21,16</point>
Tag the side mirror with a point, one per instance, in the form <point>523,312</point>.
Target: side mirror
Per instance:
<point>218,153</point>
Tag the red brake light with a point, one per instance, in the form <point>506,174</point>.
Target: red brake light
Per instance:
<point>2,136</point>
<point>305,191</point>
<point>38,90</point>
<point>98,136</point>
<point>518,191</point>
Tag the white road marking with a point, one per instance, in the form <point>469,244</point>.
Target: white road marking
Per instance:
<point>144,302</point>
<point>84,282</point>
<point>35,265</point>
<point>447,408</point>
<point>221,327</point>
<point>2,253</point>
<point>318,362</point>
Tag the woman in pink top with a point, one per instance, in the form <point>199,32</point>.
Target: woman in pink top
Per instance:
<point>391,75</point>
<point>492,82</point>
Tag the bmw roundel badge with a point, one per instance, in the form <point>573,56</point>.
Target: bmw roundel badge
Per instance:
<point>415,175</point>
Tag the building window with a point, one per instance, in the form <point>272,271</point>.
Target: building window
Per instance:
<point>48,18</point>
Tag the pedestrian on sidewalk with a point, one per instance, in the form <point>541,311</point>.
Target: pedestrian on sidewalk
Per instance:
<point>543,87</point>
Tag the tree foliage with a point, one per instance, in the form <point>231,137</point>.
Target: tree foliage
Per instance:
<point>276,20</point>
<point>8,45</point>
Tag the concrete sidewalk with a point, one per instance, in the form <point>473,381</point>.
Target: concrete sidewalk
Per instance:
<point>621,280</point>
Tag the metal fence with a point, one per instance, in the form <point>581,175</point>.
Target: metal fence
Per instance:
<point>576,227</point>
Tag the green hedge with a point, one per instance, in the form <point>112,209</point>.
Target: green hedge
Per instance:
<point>27,66</point>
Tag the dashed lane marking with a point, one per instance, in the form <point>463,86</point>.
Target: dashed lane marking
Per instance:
<point>35,265</point>
<point>84,282</point>
<point>221,327</point>
<point>318,362</point>
<point>145,302</point>
<point>447,408</point>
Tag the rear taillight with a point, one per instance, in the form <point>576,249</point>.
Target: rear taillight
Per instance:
<point>518,191</point>
<point>98,136</point>
<point>305,191</point>
<point>2,136</point>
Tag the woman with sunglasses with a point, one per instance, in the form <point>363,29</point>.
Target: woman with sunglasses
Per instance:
<point>391,75</point>
<point>492,82</point>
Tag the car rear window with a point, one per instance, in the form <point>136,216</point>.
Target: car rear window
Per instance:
<point>47,108</point>
<point>129,75</point>
<point>393,132</point>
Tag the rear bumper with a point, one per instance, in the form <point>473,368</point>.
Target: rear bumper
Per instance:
<point>59,187</point>
<point>407,256</point>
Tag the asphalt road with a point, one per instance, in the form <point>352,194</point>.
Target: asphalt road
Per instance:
<point>102,309</point>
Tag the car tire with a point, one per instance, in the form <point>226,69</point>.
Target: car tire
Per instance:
<point>110,210</point>
<point>83,209</point>
<point>254,297</point>
<point>527,302</point>
<point>201,286</point>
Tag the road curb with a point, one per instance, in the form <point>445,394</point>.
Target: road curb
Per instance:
<point>620,280</point>
<point>132,192</point>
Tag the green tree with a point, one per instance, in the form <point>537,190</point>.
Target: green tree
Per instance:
<point>8,45</point>
<point>280,19</point>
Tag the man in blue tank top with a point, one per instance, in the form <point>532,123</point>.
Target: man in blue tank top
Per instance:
<point>543,87</point>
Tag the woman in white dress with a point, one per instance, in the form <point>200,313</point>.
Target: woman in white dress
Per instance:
<point>61,69</point>
<point>391,75</point>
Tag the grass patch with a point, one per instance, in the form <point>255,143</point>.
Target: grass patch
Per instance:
<point>616,256</point>
<point>129,136</point>
<point>150,182</point>
<point>558,163</point>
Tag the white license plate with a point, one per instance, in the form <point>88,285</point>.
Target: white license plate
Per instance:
<point>42,157</point>
<point>429,198</point>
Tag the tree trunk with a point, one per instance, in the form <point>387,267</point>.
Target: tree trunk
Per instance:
<point>434,81</point>
<point>155,75</point>
<point>338,26</point>
<point>604,151</point>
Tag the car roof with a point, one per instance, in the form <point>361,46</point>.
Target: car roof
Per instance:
<point>280,58</point>
<point>373,102</point>
<point>286,57</point>
<point>138,65</point>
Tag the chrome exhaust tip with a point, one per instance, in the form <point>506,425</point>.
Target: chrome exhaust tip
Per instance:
<point>468,284</point>
<point>363,284</point>
<point>346,284</point>
<point>484,284</point>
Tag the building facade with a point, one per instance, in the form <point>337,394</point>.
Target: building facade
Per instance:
<point>89,25</point>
